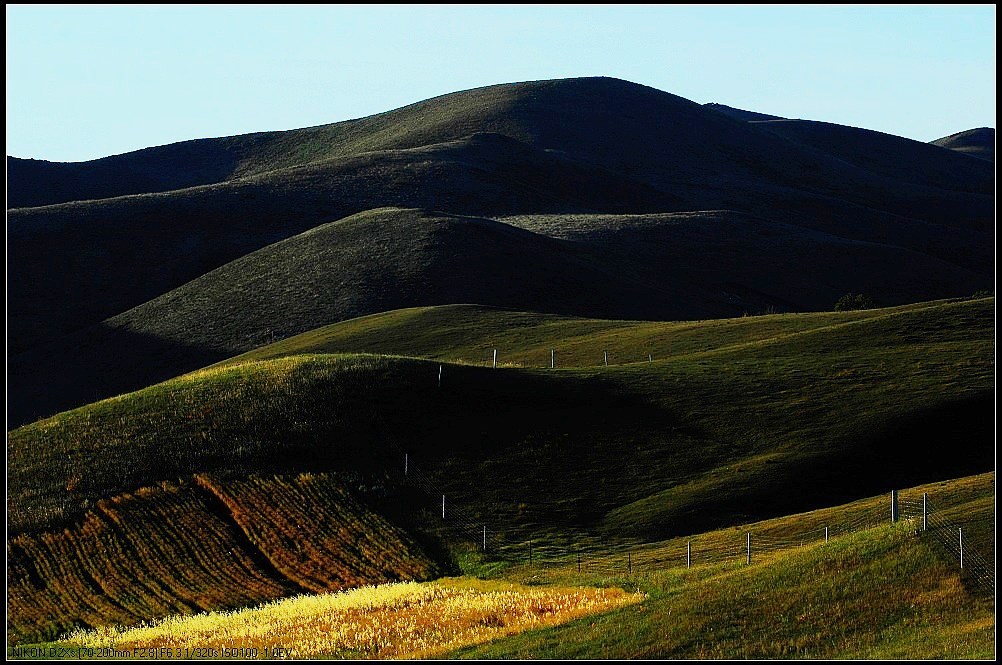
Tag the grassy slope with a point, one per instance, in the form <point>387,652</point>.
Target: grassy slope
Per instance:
<point>468,333</point>
<point>186,233</point>
<point>575,116</point>
<point>569,148</point>
<point>388,622</point>
<point>637,266</point>
<point>979,142</point>
<point>735,418</point>
<point>749,401</point>
<point>882,593</point>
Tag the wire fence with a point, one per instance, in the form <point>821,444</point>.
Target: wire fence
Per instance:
<point>723,546</point>
<point>730,545</point>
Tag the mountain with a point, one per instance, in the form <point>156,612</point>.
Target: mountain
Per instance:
<point>978,142</point>
<point>93,272</point>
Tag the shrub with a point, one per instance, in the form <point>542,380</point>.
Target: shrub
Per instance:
<point>851,301</point>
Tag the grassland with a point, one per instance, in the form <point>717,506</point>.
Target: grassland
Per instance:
<point>405,620</point>
<point>884,592</point>
<point>608,266</point>
<point>790,409</point>
<point>871,591</point>
<point>733,421</point>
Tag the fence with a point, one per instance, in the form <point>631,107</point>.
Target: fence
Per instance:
<point>719,547</point>
<point>912,507</point>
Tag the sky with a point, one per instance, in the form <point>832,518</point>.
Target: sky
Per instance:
<point>89,81</point>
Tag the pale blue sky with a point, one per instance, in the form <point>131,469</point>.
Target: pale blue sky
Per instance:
<point>85,82</point>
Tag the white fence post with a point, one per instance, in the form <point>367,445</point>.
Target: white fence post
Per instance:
<point>749,547</point>
<point>960,533</point>
<point>688,554</point>
<point>925,511</point>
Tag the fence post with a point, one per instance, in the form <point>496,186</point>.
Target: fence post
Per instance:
<point>495,357</point>
<point>826,534</point>
<point>443,506</point>
<point>749,547</point>
<point>688,554</point>
<point>405,464</point>
<point>649,358</point>
<point>894,506</point>
<point>925,511</point>
<point>960,533</point>
<point>629,563</point>
<point>485,538</point>
<point>605,356</point>
<point>553,359</point>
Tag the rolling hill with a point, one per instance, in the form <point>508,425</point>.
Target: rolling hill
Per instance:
<point>636,266</point>
<point>730,420</point>
<point>575,145</point>
<point>220,352</point>
<point>798,214</point>
<point>885,154</point>
<point>978,142</point>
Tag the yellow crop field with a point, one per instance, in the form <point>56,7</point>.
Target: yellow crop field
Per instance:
<point>400,620</point>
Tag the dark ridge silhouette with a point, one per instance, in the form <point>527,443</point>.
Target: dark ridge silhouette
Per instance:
<point>888,155</point>
<point>978,142</point>
<point>741,114</point>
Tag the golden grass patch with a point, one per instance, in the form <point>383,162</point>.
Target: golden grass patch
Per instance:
<point>401,620</point>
